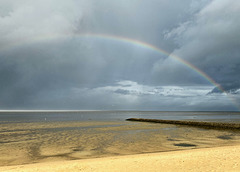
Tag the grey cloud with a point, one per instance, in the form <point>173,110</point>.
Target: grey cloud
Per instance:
<point>145,20</point>
<point>164,99</point>
<point>28,20</point>
<point>232,88</point>
<point>44,64</point>
<point>42,67</point>
<point>121,91</point>
<point>210,41</point>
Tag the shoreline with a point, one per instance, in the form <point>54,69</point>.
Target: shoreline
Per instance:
<point>224,158</point>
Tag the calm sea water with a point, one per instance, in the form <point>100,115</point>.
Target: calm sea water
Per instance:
<point>9,117</point>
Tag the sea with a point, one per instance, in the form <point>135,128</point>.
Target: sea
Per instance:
<point>51,116</point>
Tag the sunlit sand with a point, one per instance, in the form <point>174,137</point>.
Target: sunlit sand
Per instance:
<point>208,159</point>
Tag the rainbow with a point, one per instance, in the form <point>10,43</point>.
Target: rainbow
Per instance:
<point>158,50</point>
<point>136,43</point>
<point>163,52</point>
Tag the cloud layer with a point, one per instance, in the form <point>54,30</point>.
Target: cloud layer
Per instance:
<point>209,41</point>
<point>45,64</point>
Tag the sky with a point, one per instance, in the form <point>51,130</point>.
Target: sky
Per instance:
<point>166,55</point>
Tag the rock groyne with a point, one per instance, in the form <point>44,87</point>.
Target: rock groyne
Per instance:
<point>213,125</point>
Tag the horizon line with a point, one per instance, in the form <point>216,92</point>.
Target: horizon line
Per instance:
<point>37,110</point>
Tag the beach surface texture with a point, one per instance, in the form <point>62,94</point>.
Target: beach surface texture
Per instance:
<point>226,158</point>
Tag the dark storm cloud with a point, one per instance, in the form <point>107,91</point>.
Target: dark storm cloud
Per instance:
<point>145,20</point>
<point>34,69</point>
<point>210,41</point>
<point>44,64</point>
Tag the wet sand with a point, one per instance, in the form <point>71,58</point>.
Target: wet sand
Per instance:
<point>53,142</point>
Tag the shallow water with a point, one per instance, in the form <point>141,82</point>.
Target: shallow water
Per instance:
<point>32,142</point>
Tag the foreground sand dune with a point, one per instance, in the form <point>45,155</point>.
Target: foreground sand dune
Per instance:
<point>208,159</point>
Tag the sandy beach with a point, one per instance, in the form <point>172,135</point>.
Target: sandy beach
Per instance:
<point>206,159</point>
<point>116,146</point>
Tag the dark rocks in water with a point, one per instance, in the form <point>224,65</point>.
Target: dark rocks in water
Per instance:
<point>213,125</point>
<point>185,145</point>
